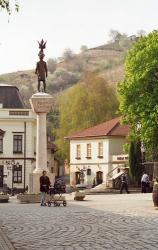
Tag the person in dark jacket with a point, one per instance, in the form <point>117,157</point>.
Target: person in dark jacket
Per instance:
<point>44,187</point>
<point>124,182</point>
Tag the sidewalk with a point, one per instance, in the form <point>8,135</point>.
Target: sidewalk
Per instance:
<point>5,244</point>
<point>98,223</point>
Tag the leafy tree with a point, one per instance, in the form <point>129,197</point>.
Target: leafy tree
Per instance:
<point>138,92</point>
<point>132,159</point>
<point>53,121</point>
<point>84,105</point>
<point>68,54</point>
<point>6,5</point>
<point>61,79</point>
<point>51,65</point>
<point>83,48</point>
<point>135,161</point>
<point>139,166</point>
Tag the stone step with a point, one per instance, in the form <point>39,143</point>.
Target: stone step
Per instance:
<point>110,191</point>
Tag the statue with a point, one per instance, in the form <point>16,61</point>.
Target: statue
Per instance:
<point>41,67</point>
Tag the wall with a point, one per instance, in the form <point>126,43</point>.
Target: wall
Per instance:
<point>16,123</point>
<point>111,146</point>
<point>95,164</point>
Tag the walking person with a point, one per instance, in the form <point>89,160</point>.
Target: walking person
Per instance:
<point>44,187</point>
<point>124,182</point>
<point>144,182</point>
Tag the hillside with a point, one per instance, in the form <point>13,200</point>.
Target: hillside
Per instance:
<point>106,60</point>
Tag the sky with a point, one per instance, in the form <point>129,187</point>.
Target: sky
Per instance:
<point>67,24</point>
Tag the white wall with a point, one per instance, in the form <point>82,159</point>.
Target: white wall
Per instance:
<point>116,146</point>
<point>15,123</point>
<point>111,146</point>
<point>94,151</point>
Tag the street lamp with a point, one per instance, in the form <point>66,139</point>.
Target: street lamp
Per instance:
<point>142,148</point>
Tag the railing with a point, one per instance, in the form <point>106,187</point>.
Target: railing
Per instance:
<point>109,174</point>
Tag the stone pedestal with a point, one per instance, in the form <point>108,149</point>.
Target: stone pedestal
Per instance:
<point>34,184</point>
<point>41,104</point>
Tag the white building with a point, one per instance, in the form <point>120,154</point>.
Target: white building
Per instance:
<point>18,140</point>
<point>96,153</point>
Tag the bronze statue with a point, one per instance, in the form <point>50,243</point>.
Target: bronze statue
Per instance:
<point>41,67</point>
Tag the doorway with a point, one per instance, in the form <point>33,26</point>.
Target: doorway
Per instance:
<point>78,177</point>
<point>99,177</point>
<point>1,176</point>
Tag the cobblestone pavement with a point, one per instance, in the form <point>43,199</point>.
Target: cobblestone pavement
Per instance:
<point>101,222</point>
<point>4,242</point>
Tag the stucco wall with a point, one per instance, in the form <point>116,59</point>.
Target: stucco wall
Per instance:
<point>94,151</point>
<point>111,146</point>
<point>116,145</point>
<point>14,125</point>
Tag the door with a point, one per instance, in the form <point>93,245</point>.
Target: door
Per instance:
<point>78,177</point>
<point>99,177</point>
<point>1,176</point>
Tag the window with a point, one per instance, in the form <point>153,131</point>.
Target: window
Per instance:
<point>1,144</point>
<point>88,151</point>
<point>34,145</point>
<point>17,144</point>
<point>17,174</point>
<point>88,171</point>
<point>18,112</point>
<point>78,152</point>
<point>100,150</point>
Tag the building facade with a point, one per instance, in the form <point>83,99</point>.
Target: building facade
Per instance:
<point>18,140</point>
<point>96,154</point>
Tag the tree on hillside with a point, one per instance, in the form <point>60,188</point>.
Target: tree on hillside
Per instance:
<point>61,79</point>
<point>6,5</point>
<point>86,104</point>
<point>83,48</point>
<point>67,54</point>
<point>51,65</point>
<point>139,92</point>
<point>116,35</point>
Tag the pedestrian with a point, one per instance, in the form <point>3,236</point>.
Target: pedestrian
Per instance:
<point>124,182</point>
<point>44,187</point>
<point>144,182</point>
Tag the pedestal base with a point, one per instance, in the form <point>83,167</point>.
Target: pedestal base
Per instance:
<point>34,183</point>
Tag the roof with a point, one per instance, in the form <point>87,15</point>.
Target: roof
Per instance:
<point>10,97</point>
<point>109,128</point>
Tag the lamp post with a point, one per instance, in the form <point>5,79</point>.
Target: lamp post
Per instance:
<point>142,148</point>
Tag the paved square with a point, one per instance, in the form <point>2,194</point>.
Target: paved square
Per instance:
<point>100,222</point>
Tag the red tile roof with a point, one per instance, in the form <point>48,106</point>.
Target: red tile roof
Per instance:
<point>109,128</point>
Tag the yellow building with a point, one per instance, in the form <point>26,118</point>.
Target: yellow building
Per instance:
<point>18,140</point>
<point>96,153</point>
